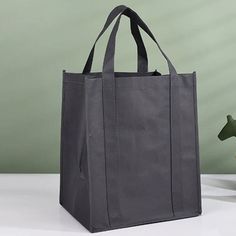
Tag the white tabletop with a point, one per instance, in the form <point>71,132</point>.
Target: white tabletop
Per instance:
<point>29,206</point>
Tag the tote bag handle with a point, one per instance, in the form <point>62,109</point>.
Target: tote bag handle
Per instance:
<point>108,63</point>
<point>142,62</point>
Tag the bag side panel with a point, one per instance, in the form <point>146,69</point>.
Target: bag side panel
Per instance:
<point>188,138</point>
<point>74,189</point>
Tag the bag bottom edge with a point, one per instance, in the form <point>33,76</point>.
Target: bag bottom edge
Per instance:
<point>96,230</point>
<point>93,229</point>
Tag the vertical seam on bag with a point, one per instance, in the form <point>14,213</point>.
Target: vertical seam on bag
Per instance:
<point>117,145</point>
<point>196,142</point>
<point>88,159</point>
<point>170,121</point>
<point>105,159</point>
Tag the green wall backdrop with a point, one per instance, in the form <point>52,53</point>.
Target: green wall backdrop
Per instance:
<point>39,38</point>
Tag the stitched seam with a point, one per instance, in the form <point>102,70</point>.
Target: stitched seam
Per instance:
<point>171,156</point>
<point>117,144</point>
<point>88,159</point>
<point>105,152</point>
<point>196,142</point>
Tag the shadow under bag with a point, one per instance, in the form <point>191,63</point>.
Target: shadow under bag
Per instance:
<point>129,141</point>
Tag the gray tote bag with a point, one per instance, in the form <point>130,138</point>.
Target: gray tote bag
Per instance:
<point>129,141</point>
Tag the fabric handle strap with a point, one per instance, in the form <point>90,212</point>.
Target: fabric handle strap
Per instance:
<point>108,63</point>
<point>142,54</point>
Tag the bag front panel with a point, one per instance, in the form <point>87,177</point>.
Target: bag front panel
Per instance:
<point>144,164</point>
